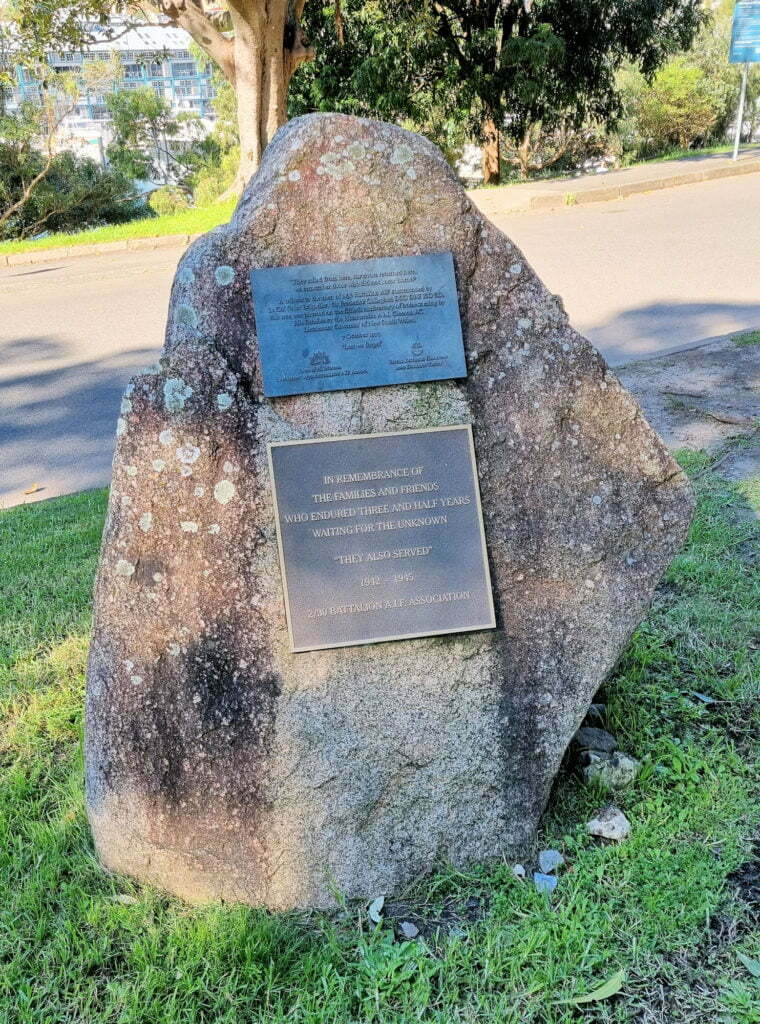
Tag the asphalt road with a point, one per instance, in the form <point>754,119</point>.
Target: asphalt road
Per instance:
<point>639,276</point>
<point>653,272</point>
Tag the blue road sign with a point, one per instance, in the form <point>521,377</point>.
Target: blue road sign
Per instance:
<point>745,37</point>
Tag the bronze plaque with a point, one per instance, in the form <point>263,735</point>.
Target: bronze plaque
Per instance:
<point>380,537</point>
<point>362,324</point>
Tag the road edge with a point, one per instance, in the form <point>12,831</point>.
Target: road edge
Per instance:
<point>493,202</point>
<point>25,259</point>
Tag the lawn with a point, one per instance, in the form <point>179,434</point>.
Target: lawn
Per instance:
<point>679,153</point>
<point>675,907</point>
<point>187,222</point>
<point>747,338</point>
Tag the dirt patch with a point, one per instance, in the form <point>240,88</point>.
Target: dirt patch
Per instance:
<point>702,398</point>
<point>745,882</point>
<point>435,925</point>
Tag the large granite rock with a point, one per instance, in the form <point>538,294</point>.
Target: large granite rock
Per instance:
<point>219,765</point>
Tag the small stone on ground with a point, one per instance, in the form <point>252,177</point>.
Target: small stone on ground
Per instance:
<point>550,860</point>
<point>589,738</point>
<point>545,883</point>
<point>610,823</point>
<point>615,772</point>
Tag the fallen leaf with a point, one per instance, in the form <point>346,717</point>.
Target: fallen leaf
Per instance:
<point>753,966</point>
<point>33,489</point>
<point>611,987</point>
<point>375,910</point>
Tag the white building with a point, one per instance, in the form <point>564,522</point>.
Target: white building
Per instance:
<point>157,56</point>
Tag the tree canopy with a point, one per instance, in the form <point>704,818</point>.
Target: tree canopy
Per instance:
<point>489,65</point>
<point>492,65</point>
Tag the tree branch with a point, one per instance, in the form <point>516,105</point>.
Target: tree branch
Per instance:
<point>53,124</point>
<point>448,33</point>
<point>26,194</point>
<point>189,15</point>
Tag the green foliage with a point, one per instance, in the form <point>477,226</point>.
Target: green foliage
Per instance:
<point>216,167</point>
<point>187,222</point>
<point>692,100</point>
<point>149,140</point>
<point>214,177</point>
<point>553,61</point>
<point>168,200</point>
<point>372,71</point>
<point>78,944</point>
<point>710,55</point>
<point>74,193</point>
<point>446,68</point>
<point>41,187</point>
<point>562,147</point>
<point>747,338</point>
<point>678,108</point>
<point>38,28</point>
<point>224,104</point>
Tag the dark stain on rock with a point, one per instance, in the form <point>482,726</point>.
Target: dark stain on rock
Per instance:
<point>146,569</point>
<point>227,691</point>
<point>200,728</point>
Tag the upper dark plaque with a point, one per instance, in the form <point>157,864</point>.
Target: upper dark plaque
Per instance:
<point>381,537</point>
<point>363,324</point>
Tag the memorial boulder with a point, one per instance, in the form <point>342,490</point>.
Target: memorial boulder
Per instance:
<point>221,762</point>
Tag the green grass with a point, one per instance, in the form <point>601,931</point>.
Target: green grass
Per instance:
<point>189,222</point>
<point>747,338</point>
<point>673,154</point>
<point>679,153</point>
<point>77,945</point>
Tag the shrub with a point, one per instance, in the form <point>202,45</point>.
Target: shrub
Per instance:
<point>77,193</point>
<point>215,177</point>
<point>677,109</point>
<point>560,148</point>
<point>167,200</point>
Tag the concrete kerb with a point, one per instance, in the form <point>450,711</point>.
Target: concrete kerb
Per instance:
<point>603,192</point>
<point>18,259</point>
<point>508,200</point>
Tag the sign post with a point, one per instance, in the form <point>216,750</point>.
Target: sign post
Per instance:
<point>740,115</point>
<point>745,49</point>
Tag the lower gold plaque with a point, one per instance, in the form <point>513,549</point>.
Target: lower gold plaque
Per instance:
<point>381,537</point>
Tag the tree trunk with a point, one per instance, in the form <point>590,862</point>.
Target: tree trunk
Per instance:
<point>491,154</point>
<point>267,49</point>
<point>258,61</point>
<point>523,155</point>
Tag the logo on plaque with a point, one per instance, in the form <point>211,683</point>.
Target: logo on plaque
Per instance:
<point>380,537</point>
<point>362,318</point>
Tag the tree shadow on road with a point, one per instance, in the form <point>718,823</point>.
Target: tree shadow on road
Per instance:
<point>648,331</point>
<point>57,423</point>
